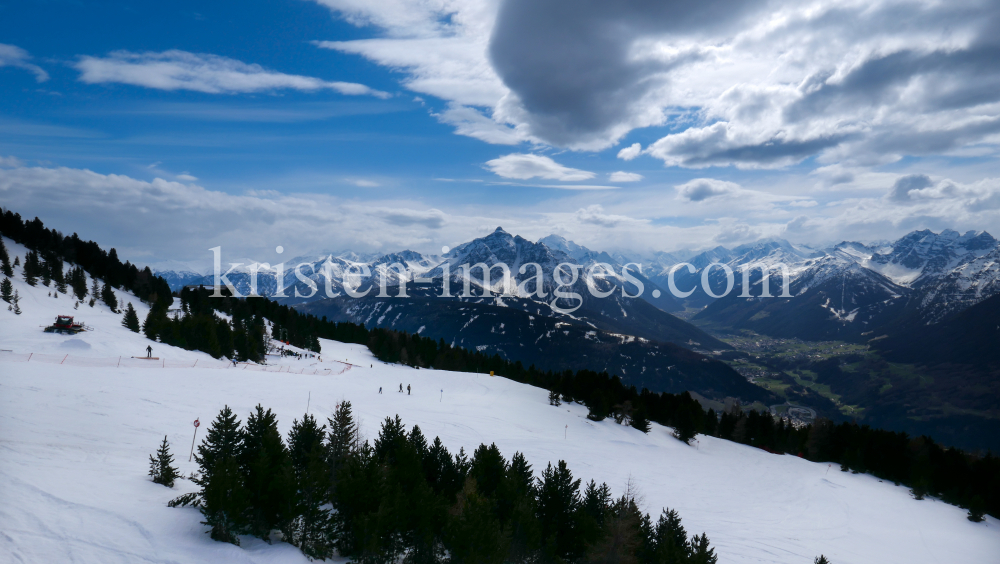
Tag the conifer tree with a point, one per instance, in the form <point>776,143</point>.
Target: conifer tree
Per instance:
<point>109,298</point>
<point>342,440</point>
<point>45,271</point>
<point>78,280</point>
<point>95,288</point>
<point>558,502</point>
<point>267,475</point>
<point>700,551</point>
<point>821,560</point>
<point>640,420</point>
<point>58,276</point>
<point>16,303</point>
<point>130,320</point>
<point>669,538</point>
<point>17,261</point>
<point>6,290</point>
<point>5,261</point>
<point>976,510</point>
<point>161,468</point>
<point>222,498</point>
<point>154,320</point>
<point>31,268</point>
<point>311,527</point>
<point>554,398</point>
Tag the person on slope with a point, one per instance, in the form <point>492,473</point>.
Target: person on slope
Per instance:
<point>149,351</point>
<point>400,387</point>
<point>380,389</point>
<point>407,389</point>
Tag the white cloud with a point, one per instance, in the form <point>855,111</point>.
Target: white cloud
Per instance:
<point>469,121</point>
<point>363,183</point>
<point>594,215</point>
<point>14,56</point>
<point>10,162</point>
<point>186,177</point>
<point>630,152</point>
<point>701,189</point>
<point>212,74</point>
<point>524,166</point>
<point>621,176</point>
<point>751,85</point>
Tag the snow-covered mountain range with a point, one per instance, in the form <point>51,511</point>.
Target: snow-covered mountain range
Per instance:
<point>931,275</point>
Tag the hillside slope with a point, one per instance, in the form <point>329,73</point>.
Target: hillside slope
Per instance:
<point>75,442</point>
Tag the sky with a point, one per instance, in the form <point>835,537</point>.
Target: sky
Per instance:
<point>166,129</point>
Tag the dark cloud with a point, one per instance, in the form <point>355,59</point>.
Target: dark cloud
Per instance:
<point>900,191</point>
<point>568,61</point>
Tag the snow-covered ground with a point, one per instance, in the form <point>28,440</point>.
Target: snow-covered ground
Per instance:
<point>74,446</point>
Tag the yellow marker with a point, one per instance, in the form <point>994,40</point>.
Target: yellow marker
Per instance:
<point>491,373</point>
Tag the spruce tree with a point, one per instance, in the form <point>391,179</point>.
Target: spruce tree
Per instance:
<point>45,271</point>
<point>669,538</point>
<point>16,302</point>
<point>554,398</point>
<point>342,440</point>
<point>130,320</point>
<point>821,560</point>
<point>5,261</point>
<point>161,468</point>
<point>558,502</point>
<point>6,290</point>
<point>78,280</point>
<point>17,261</point>
<point>310,529</point>
<point>155,319</point>
<point>95,288</point>
<point>223,498</point>
<point>31,268</point>
<point>57,274</point>
<point>267,475</point>
<point>640,421</point>
<point>109,298</point>
<point>977,512</point>
<point>700,552</point>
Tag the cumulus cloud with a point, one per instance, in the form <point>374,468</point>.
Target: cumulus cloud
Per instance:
<point>621,176</point>
<point>630,152</point>
<point>212,74</point>
<point>14,56</point>
<point>522,166</point>
<point>751,85</point>
<point>701,189</point>
<point>905,184</point>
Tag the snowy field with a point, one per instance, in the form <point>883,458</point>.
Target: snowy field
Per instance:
<point>74,446</point>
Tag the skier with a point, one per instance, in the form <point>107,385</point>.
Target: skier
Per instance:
<point>149,351</point>
<point>400,387</point>
<point>234,363</point>
<point>380,389</point>
<point>407,389</point>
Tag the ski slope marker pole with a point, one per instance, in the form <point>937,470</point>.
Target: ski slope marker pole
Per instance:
<point>442,396</point>
<point>196,424</point>
<point>566,432</point>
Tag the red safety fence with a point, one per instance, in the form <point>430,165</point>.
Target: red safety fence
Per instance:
<point>132,362</point>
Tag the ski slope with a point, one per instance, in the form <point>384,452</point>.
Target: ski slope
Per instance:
<point>74,446</point>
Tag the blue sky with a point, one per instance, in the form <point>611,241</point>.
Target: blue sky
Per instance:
<point>165,129</point>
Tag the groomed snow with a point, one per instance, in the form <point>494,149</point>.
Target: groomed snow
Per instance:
<point>74,446</point>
